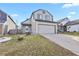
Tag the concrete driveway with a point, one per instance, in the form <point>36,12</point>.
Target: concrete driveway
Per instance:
<point>67,41</point>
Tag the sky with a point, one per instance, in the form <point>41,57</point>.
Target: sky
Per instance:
<point>22,11</point>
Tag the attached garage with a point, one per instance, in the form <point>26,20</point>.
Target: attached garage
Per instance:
<point>46,29</point>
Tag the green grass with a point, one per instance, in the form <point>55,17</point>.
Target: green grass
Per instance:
<point>32,45</point>
<point>72,33</point>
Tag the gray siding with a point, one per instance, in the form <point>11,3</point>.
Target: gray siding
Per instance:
<point>3,17</point>
<point>1,28</point>
<point>42,15</point>
<point>72,28</point>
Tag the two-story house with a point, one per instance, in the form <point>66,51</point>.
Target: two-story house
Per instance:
<point>40,22</point>
<point>6,23</point>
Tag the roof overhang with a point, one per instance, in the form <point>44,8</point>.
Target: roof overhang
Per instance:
<point>26,24</point>
<point>45,21</point>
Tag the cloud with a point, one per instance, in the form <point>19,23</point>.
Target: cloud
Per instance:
<point>14,15</point>
<point>68,5</point>
<point>69,16</point>
<point>72,13</point>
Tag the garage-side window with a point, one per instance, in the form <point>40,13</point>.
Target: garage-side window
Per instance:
<point>39,16</point>
<point>69,27</point>
<point>47,17</point>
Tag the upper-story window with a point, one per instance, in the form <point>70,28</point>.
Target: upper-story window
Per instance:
<point>39,16</point>
<point>47,17</point>
<point>43,12</point>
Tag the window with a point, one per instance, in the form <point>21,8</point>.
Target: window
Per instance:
<point>47,17</point>
<point>26,28</point>
<point>39,16</point>
<point>43,12</point>
<point>69,27</point>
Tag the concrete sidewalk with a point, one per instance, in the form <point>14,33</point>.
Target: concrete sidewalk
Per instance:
<point>4,39</point>
<point>69,42</point>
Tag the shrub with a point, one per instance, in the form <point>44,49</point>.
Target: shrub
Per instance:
<point>28,33</point>
<point>20,38</point>
<point>74,31</point>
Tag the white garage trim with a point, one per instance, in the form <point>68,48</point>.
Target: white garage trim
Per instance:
<point>46,29</point>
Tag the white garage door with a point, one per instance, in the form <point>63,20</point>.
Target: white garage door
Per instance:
<point>47,29</point>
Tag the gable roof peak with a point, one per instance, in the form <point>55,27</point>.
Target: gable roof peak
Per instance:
<point>63,19</point>
<point>41,9</point>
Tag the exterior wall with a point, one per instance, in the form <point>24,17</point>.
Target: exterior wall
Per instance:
<point>72,28</point>
<point>33,25</point>
<point>43,15</point>
<point>9,25</point>
<point>23,28</point>
<point>1,28</point>
<point>45,23</point>
<point>26,29</point>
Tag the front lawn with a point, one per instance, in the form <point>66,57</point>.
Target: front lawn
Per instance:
<point>71,33</point>
<point>32,45</point>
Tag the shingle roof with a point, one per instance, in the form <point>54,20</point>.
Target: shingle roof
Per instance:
<point>61,20</point>
<point>73,22</point>
<point>3,17</point>
<point>45,21</point>
<point>26,22</point>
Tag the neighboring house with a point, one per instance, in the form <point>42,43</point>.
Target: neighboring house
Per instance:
<point>73,26</point>
<point>62,24</point>
<point>6,23</point>
<point>65,25</point>
<point>40,22</point>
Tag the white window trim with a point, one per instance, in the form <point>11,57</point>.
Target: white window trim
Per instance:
<point>40,16</point>
<point>47,17</point>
